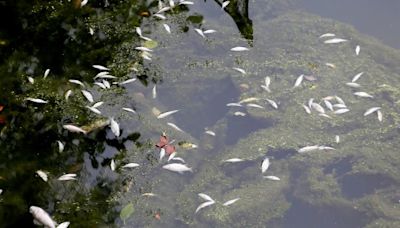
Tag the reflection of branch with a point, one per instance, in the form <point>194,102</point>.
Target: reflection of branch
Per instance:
<point>239,11</point>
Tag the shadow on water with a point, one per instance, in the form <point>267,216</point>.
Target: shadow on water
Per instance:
<point>358,185</point>
<point>340,167</point>
<point>239,127</point>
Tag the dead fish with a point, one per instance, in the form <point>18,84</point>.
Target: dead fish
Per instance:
<point>357,76</point>
<point>239,70</point>
<point>210,132</point>
<point>239,114</point>
<point>337,138</point>
<point>363,94</point>
<point>339,106</point>
<point>298,81</point>
<point>129,110</point>
<point>67,94</point>
<point>326,148</point>
<point>46,73</point>
<point>87,95</point>
<point>36,100</point>
<point>308,149</point>
<point>42,175</point>
<point>160,16</point>
<point>267,83</point>
<point>101,74</point>
<point>162,153</point>
<point>154,92</point>
<point>138,31</point>
<point>98,104</point>
<point>357,49</point>
<point>67,177</point>
<point>95,110</point>
<point>127,81</point>
<point>275,178</point>
<point>272,103</point>
<point>106,84</point>
<point>114,127</point>
<point>200,32</point>
<point>341,111</point>
<point>91,31</point>
<point>130,165</point>
<point>209,31</point>
<point>186,3</point>
<point>254,105</point>
<point>148,194</point>
<point>250,99</point>
<point>31,80</point>
<point>171,156</point>
<point>326,35</point>
<point>84,2</point>
<point>64,225</point>
<point>317,107</point>
<point>328,105</point>
<point>353,84</point>
<point>234,104</point>
<point>229,202</point>
<point>100,67</point>
<point>178,159</point>
<point>325,115</point>
<point>225,4</point>
<point>165,114</point>
<point>203,205</point>
<point>331,65</point>
<point>233,160</point>
<point>112,165</point>
<point>265,165</point>
<point>143,49</point>
<point>307,109</point>
<point>310,102</point>
<point>371,110</point>
<point>167,28</point>
<point>177,167</point>
<point>239,49</point>
<point>101,85</point>
<point>380,116</point>
<point>335,41</point>
<point>175,127</point>
<point>42,217</point>
<point>73,128</point>
<point>206,197</point>
<point>164,9</point>
<point>60,146</point>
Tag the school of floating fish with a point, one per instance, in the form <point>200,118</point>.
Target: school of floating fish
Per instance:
<point>334,104</point>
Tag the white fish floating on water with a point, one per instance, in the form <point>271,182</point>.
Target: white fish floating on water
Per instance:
<point>206,197</point>
<point>265,165</point>
<point>87,95</point>
<point>234,105</point>
<point>307,109</point>
<point>331,65</point>
<point>380,115</point>
<point>274,178</point>
<point>91,31</point>
<point>31,80</point>
<point>84,2</point>
<point>60,146</point>
<point>224,4</point>
<point>143,49</point>
<point>42,175</point>
<point>208,132</point>
<point>98,104</point>
<point>67,94</point>
<point>154,92</point>
<point>308,148</point>
<point>230,202</point>
<point>165,114</point>
<point>101,74</point>
<point>203,205</point>
<point>167,28</point>
<point>339,106</point>
<point>335,41</point>
<point>200,32</point>
<point>357,76</point>
<point>101,85</point>
<point>114,127</point>
<point>100,67</point>
<point>371,110</point>
<point>130,165</point>
<point>250,99</point>
<point>162,153</point>
<point>36,100</point>
<point>185,3</point>
<point>239,114</point>
<point>171,156</point>
<point>64,225</point>
<point>341,111</point>
<point>239,49</point>
<point>298,81</point>
<point>129,110</point>
<point>239,70</point>
<point>160,16</point>
<point>177,167</point>
<point>106,84</point>
<point>272,103</point>
<point>325,115</point>
<point>267,82</point>
<point>337,138</point>
<point>178,159</point>
<point>357,50</point>
<point>75,81</point>
<point>94,110</point>
<point>328,104</point>
<point>363,94</point>
<point>209,31</point>
<point>42,217</point>
<point>175,127</point>
<point>326,148</point>
<point>46,73</point>
<point>73,128</point>
<point>164,9</point>
<point>255,106</point>
<point>353,84</point>
<point>310,102</point>
<point>326,35</point>
<point>112,165</point>
<point>67,177</point>
<point>233,160</point>
<point>127,81</point>
<point>317,107</point>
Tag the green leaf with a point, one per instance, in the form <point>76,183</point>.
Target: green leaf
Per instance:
<point>150,44</point>
<point>126,211</point>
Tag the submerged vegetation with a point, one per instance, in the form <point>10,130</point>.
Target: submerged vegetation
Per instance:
<point>348,166</point>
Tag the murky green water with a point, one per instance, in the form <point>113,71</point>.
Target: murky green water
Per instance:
<point>355,185</point>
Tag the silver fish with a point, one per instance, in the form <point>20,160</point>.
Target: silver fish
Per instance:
<point>130,165</point>
<point>307,109</point>
<point>331,65</point>
<point>363,94</point>
<point>317,107</point>
<point>371,110</point>
<point>326,35</point>
<point>272,103</point>
<point>171,156</point>
<point>254,105</point>
<point>186,3</point>
<point>239,114</point>
<point>129,110</point>
<point>177,167</point>
<point>73,128</point>
<point>31,80</point>
<point>46,73</point>
<point>100,67</point>
<point>64,225</point>
<point>209,31</point>
<point>357,76</point>
<point>101,85</point>
<point>325,115</point>
<point>210,132</point>
<point>341,111</point>
<point>229,202</point>
<point>175,127</point>
<point>98,104</point>
<point>233,160</point>
<point>339,100</point>
<point>154,92</point>
<point>112,165</point>
<point>114,127</point>
<point>234,104</point>
<point>162,153</point>
<point>143,49</point>
<point>60,146</point>
<point>165,114</point>
<point>167,28</point>
<point>164,9</point>
<point>265,165</point>
<point>353,84</point>
<point>200,32</point>
<point>42,217</point>
<point>339,106</point>
<point>160,16</point>
<point>42,175</point>
<point>325,148</point>
<point>203,205</point>
<point>308,148</point>
<point>95,110</point>
<point>275,178</point>
<point>358,49</point>
<point>380,116</point>
<point>36,100</point>
<point>239,49</point>
<point>298,81</point>
<point>67,94</point>
<point>225,4</point>
<point>87,95</point>
<point>239,70</point>
<point>66,177</point>
<point>206,197</point>
<point>337,138</point>
<point>127,81</point>
<point>335,41</point>
<point>328,105</point>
